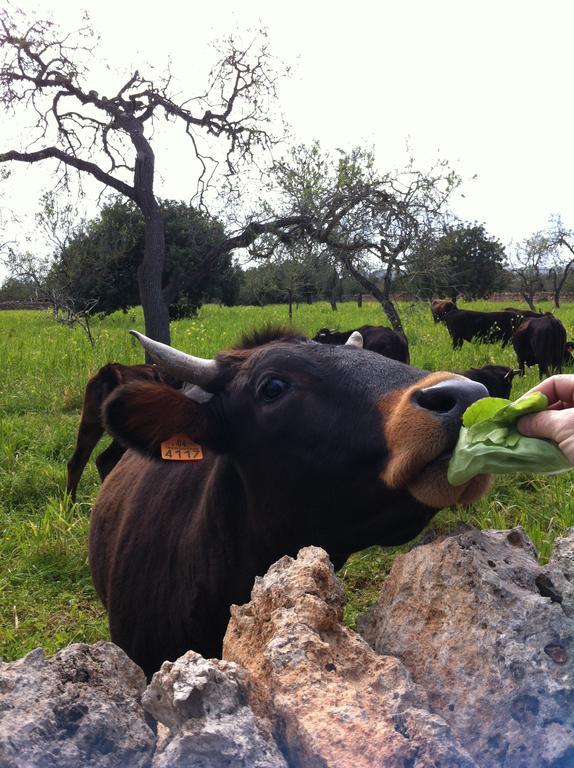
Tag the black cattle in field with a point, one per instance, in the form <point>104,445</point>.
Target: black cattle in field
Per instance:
<point>376,338</point>
<point>440,309</point>
<point>523,313</point>
<point>541,341</point>
<point>300,444</point>
<point>91,427</point>
<point>467,324</point>
<point>496,378</point>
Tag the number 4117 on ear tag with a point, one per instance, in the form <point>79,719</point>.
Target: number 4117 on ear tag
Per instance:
<point>181,448</point>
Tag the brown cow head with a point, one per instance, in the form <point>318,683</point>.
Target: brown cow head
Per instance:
<point>301,418</point>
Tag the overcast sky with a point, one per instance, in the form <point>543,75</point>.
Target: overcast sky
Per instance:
<point>487,85</point>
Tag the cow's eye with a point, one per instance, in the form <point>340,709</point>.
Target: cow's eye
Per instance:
<point>271,389</point>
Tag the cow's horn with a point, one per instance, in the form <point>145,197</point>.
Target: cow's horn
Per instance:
<point>355,340</point>
<point>178,364</point>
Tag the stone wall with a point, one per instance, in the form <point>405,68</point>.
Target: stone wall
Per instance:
<point>466,660</point>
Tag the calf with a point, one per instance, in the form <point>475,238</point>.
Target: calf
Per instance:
<point>496,378</point>
<point>91,427</point>
<point>376,338</point>
<point>541,341</point>
<point>287,443</point>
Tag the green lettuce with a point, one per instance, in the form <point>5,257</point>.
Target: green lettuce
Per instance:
<point>490,443</point>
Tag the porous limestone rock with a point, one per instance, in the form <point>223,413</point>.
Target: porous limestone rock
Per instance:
<point>331,700</point>
<point>203,704</point>
<point>80,707</point>
<point>489,634</point>
<point>561,568</point>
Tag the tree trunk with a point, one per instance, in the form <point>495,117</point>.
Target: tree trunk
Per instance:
<point>333,286</point>
<point>559,284</point>
<point>360,300</point>
<point>529,299</point>
<point>383,297</point>
<point>150,271</point>
<point>290,300</point>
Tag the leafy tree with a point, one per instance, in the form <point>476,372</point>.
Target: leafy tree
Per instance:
<point>100,261</point>
<point>44,75</point>
<point>279,280</point>
<point>18,289</point>
<point>464,259</point>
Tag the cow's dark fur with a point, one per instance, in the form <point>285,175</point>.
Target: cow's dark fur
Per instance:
<point>496,378</point>
<point>376,338</point>
<point>91,428</point>
<point>348,455</point>
<point>541,341</point>
<point>524,313</point>
<point>467,324</point>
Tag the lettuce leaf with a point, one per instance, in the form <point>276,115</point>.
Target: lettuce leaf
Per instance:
<point>490,443</point>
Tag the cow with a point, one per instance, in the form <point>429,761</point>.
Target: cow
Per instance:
<point>467,324</point>
<point>376,338</point>
<point>524,313</point>
<point>294,443</point>
<point>440,309</point>
<point>91,428</point>
<point>496,378</point>
<point>541,341</point>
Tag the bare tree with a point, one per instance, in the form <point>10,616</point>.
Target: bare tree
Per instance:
<point>65,308</point>
<point>546,256</point>
<point>560,255</point>
<point>369,222</point>
<point>528,264</point>
<point>44,74</point>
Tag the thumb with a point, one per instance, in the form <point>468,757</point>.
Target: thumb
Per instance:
<point>554,425</point>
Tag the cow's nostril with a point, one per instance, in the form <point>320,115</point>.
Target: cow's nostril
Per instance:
<point>436,400</point>
<point>450,398</point>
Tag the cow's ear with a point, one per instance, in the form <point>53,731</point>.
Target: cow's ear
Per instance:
<point>144,415</point>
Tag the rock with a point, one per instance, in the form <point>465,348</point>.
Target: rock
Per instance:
<point>330,699</point>
<point>489,634</point>
<point>203,703</point>
<point>80,707</point>
<point>561,567</point>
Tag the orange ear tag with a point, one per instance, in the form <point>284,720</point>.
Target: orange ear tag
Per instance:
<point>181,448</point>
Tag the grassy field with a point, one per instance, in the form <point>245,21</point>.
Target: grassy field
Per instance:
<point>46,597</point>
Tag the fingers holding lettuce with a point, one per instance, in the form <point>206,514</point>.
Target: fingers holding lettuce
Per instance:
<point>556,423</point>
<point>490,441</point>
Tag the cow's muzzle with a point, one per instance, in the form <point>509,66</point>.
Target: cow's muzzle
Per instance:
<point>422,425</point>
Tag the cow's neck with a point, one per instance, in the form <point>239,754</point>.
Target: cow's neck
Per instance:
<point>277,513</point>
<point>250,523</point>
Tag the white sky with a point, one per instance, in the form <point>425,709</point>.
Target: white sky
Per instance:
<point>487,85</point>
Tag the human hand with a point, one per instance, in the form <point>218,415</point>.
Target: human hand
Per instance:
<point>557,423</point>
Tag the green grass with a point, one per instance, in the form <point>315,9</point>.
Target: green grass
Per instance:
<point>46,596</point>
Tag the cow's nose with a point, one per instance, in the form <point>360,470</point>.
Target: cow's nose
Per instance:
<point>450,398</point>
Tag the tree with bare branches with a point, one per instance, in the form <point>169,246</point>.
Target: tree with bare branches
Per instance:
<point>66,308</point>
<point>528,263</point>
<point>543,260</point>
<point>44,73</point>
<point>560,255</point>
<point>367,221</point>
